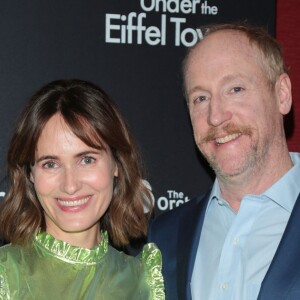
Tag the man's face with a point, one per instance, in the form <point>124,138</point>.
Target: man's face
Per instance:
<point>236,115</point>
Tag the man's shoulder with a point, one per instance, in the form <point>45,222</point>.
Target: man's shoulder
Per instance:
<point>177,213</point>
<point>167,228</point>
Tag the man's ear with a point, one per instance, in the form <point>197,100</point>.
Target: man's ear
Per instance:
<point>284,93</point>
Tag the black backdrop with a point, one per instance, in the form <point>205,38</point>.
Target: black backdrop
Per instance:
<point>133,49</point>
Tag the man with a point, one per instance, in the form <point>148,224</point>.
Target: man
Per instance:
<point>242,239</point>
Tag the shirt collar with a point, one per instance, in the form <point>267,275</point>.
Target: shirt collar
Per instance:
<point>215,193</point>
<point>284,192</point>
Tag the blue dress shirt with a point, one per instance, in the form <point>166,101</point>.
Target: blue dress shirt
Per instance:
<point>236,249</point>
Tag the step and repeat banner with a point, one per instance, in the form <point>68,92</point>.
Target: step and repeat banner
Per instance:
<point>133,49</point>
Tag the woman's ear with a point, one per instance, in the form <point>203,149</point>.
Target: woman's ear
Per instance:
<point>284,93</point>
<point>31,177</point>
<point>116,172</point>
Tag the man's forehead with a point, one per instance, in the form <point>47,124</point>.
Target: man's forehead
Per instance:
<point>222,43</point>
<point>222,39</point>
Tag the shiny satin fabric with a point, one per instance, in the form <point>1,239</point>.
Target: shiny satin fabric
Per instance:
<point>53,269</point>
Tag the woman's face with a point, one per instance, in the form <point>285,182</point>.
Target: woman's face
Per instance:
<point>73,182</point>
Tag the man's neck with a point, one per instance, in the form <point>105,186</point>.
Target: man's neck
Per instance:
<point>233,189</point>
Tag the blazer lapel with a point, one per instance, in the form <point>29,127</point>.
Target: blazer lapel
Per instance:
<point>189,236</point>
<point>286,262</point>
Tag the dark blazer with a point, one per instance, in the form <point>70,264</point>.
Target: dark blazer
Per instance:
<point>177,235</point>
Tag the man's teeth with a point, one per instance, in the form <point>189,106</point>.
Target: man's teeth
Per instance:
<point>73,203</point>
<point>227,138</point>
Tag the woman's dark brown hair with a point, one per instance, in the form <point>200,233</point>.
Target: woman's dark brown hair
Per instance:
<point>93,118</point>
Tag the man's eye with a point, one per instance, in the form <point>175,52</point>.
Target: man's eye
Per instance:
<point>237,89</point>
<point>200,99</point>
<point>88,160</point>
<point>49,165</point>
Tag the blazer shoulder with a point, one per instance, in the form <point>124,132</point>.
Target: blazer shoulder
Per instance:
<point>172,218</point>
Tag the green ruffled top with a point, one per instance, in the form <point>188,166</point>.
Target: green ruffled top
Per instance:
<point>53,269</point>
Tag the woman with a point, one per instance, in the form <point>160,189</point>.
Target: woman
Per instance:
<point>75,190</point>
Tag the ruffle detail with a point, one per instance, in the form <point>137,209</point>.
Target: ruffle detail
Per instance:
<point>72,254</point>
<point>151,257</point>
<point>4,288</point>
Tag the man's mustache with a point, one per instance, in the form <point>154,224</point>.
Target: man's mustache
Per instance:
<point>229,129</point>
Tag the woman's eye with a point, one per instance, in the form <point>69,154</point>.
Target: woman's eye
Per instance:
<point>88,160</point>
<point>49,165</point>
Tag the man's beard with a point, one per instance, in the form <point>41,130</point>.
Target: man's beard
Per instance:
<point>251,158</point>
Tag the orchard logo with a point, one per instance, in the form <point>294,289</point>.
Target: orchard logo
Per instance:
<point>171,200</point>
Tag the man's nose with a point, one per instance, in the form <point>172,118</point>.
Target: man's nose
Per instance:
<point>219,112</point>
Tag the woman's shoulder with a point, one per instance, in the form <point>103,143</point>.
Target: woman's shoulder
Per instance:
<point>145,269</point>
<point>14,254</point>
<point>6,250</point>
<point>10,253</point>
<point>149,255</point>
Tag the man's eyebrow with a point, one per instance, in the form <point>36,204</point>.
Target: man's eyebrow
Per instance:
<point>228,77</point>
<point>195,89</point>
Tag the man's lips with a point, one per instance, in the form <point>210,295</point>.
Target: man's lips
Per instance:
<point>227,138</point>
<point>76,202</point>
